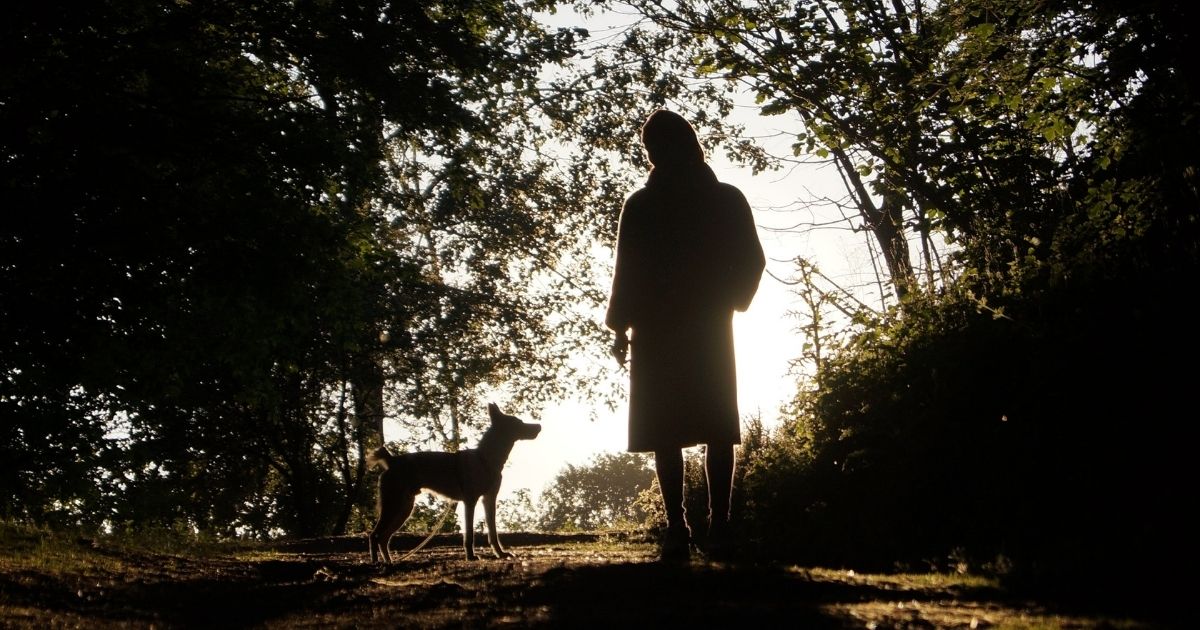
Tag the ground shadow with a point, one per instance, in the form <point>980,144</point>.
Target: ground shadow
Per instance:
<point>694,595</point>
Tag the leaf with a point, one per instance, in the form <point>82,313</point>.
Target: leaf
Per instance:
<point>984,31</point>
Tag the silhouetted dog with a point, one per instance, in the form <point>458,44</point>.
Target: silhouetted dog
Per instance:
<point>463,476</point>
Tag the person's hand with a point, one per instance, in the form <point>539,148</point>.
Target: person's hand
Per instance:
<point>620,348</point>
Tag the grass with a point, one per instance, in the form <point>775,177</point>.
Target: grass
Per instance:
<point>609,579</point>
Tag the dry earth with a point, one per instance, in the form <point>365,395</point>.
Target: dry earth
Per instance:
<point>588,580</point>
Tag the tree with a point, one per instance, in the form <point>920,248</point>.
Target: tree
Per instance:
<point>517,514</point>
<point>176,212</point>
<point>601,494</point>
<point>996,412</point>
<point>964,120</point>
<point>243,234</point>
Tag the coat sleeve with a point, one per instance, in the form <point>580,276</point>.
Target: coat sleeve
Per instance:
<point>748,260</point>
<point>622,297</point>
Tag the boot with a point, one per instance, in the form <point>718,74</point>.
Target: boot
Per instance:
<point>676,544</point>
<point>719,545</point>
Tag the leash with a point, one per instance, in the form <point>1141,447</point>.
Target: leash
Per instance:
<point>433,532</point>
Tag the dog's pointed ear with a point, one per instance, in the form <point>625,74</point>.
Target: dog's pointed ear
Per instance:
<point>493,410</point>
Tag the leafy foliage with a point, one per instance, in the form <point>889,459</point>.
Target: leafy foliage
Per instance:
<point>997,417</point>
<point>243,234</point>
<point>602,494</point>
<point>240,235</point>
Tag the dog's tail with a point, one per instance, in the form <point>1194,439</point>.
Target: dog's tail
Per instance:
<point>379,457</point>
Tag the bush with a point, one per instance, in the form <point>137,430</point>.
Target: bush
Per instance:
<point>1042,444</point>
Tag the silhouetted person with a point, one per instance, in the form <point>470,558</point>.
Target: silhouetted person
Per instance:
<point>688,256</point>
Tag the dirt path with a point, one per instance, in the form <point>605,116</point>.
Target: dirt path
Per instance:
<point>584,581</point>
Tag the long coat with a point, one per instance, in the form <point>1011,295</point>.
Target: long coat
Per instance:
<point>688,256</point>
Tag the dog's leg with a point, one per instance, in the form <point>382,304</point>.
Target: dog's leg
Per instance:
<point>393,513</point>
<point>489,513</point>
<point>469,526</point>
<point>373,540</point>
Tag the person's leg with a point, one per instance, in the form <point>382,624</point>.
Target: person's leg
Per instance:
<point>668,465</point>
<point>718,468</point>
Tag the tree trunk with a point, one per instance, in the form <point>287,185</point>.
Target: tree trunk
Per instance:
<point>367,389</point>
<point>367,393</point>
<point>886,223</point>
